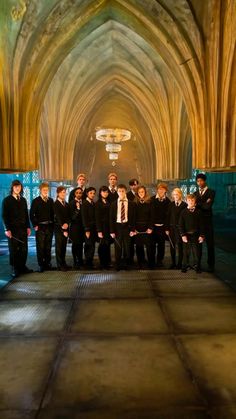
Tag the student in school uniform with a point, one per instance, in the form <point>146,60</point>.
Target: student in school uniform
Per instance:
<point>102,213</point>
<point>122,226</point>
<point>42,219</point>
<point>192,232</point>
<point>112,186</point>
<point>143,227</point>
<point>76,232</point>
<point>133,184</point>
<point>172,228</point>
<point>89,223</point>
<point>160,203</point>
<point>17,228</point>
<point>205,200</point>
<point>62,221</point>
<point>81,183</point>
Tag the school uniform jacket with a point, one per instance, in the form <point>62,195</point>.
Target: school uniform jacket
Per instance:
<point>113,216</point>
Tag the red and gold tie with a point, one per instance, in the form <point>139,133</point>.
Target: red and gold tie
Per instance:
<point>122,216</point>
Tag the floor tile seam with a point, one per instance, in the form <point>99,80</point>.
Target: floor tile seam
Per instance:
<point>70,335</point>
<point>56,359</point>
<point>95,335</point>
<point>179,350</point>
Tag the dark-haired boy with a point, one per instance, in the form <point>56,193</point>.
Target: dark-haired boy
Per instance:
<point>122,226</point>
<point>89,223</point>
<point>17,228</point>
<point>205,199</point>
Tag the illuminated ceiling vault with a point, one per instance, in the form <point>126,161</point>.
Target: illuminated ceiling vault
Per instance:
<point>165,69</point>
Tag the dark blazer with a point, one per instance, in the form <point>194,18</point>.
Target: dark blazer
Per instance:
<point>191,222</point>
<point>113,216</point>
<point>173,214</point>
<point>76,227</point>
<point>41,211</point>
<point>204,206</point>
<point>62,214</point>
<point>143,216</point>
<point>130,196</point>
<point>102,214</point>
<point>15,213</point>
<point>159,210</point>
<point>88,215</point>
<point>112,196</point>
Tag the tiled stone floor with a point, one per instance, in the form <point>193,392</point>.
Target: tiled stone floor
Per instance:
<point>113,345</point>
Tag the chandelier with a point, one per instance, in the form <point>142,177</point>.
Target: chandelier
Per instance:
<point>113,137</point>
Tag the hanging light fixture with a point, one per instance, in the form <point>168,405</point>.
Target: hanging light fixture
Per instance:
<point>113,156</point>
<point>113,147</point>
<point>113,137</point>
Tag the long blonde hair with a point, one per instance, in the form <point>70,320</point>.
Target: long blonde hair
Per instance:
<point>178,190</point>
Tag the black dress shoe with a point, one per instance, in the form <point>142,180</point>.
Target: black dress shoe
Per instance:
<point>159,264</point>
<point>15,274</point>
<point>63,269</point>
<point>26,270</point>
<point>172,266</point>
<point>184,270</point>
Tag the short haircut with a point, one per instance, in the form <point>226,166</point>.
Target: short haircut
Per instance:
<point>191,196</point>
<point>16,182</point>
<point>133,181</point>
<point>178,190</point>
<point>91,188</point>
<point>121,186</point>
<point>162,185</point>
<point>60,189</point>
<point>81,175</point>
<point>78,189</point>
<point>201,176</point>
<point>112,174</point>
<point>44,185</point>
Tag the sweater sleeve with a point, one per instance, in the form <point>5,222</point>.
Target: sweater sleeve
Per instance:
<point>5,213</point>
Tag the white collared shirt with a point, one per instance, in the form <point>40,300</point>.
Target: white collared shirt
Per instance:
<point>119,202</point>
<point>202,191</point>
<point>161,199</point>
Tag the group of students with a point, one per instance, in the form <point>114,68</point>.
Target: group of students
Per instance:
<point>131,220</point>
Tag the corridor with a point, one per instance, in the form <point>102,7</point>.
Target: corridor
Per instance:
<point>133,344</point>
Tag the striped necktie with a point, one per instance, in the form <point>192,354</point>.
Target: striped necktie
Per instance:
<point>122,215</point>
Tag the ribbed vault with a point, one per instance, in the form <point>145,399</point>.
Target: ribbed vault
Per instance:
<point>163,69</point>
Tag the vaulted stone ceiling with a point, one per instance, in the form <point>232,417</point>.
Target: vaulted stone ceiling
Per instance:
<point>165,69</point>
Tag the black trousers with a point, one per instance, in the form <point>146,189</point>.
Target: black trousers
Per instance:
<point>210,242</point>
<point>89,247</point>
<point>122,244</point>
<point>158,243</point>
<point>194,248</point>
<point>18,251</point>
<point>77,252</point>
<point>60,247</point>
<point>44,244</point>
<point>144,241</point>
<point>178,246</point>
<point>104,252</point>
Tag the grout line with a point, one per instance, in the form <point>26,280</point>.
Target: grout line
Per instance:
<point>180,351</point>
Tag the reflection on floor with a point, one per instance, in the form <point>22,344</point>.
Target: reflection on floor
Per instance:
<point>129,344</point>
